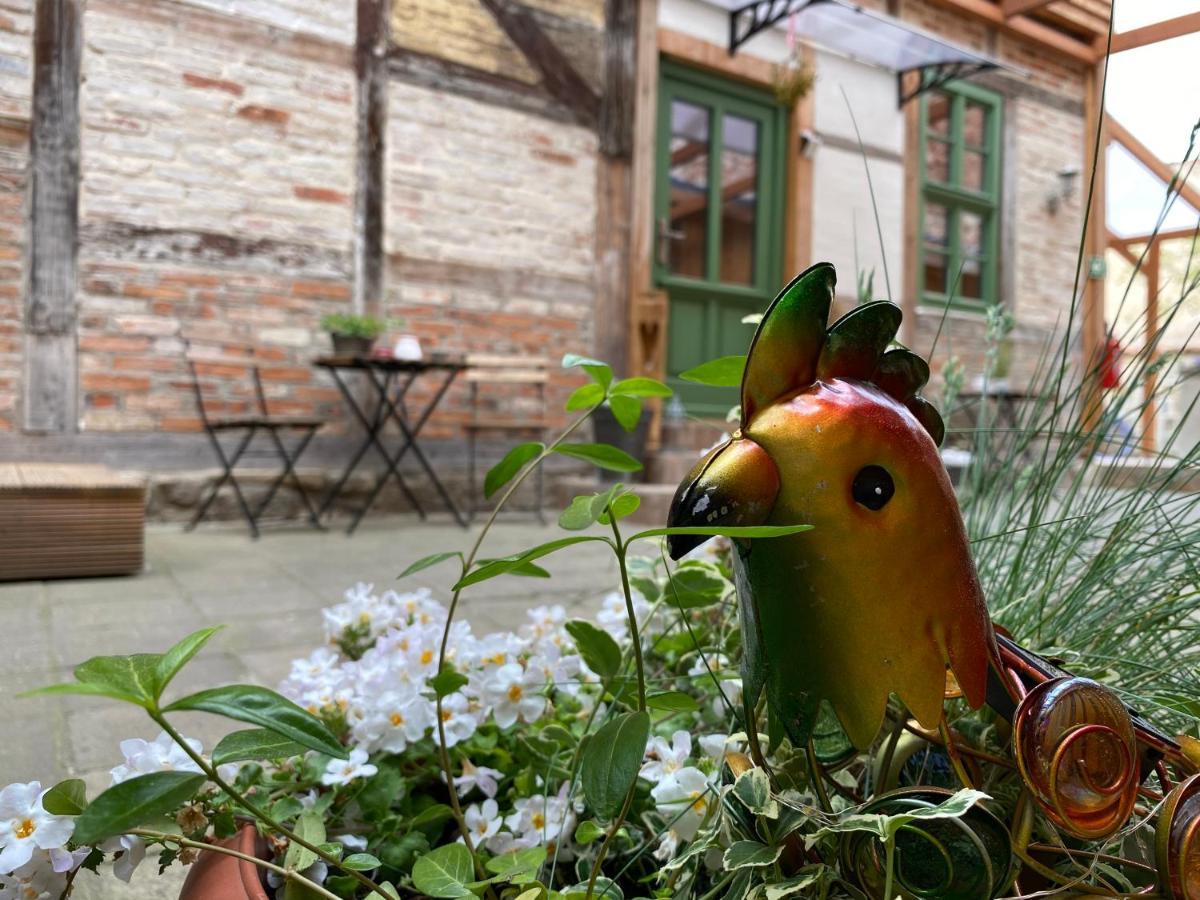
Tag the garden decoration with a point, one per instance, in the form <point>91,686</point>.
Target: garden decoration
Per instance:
<point>913,749</point>
<point>882,598</point>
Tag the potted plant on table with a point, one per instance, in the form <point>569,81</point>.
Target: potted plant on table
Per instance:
<point>352,334</point>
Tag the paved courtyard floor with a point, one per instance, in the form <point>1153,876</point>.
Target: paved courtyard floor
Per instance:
<point>268,593</point>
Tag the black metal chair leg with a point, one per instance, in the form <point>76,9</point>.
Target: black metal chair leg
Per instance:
<point>227,464</point>
<point>288,473</point>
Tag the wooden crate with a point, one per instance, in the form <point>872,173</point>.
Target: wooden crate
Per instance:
<point>68,521</point>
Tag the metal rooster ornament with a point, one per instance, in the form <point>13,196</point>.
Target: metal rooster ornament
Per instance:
<point>881,596</point>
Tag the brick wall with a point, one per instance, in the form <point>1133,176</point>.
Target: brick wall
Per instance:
<point>491,218</point>
<point>16,27</point>
<point>215,206</point>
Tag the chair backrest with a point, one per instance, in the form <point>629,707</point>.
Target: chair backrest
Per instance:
<point>485,370</point>
<point>225,362</point>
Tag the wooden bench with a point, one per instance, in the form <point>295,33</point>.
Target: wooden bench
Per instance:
<point>69,521</point>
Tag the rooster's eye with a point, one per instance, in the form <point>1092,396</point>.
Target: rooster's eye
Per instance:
<point>873,487</point>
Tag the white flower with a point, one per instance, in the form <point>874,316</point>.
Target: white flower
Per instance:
<point>44,877</point>
<point>540,819</point>
<point>343,771</point>
<point>458,719</point>
<point>394,720</point>
<point>315,873</point>
<point>683,799</point>
<point>25,825</point>
<point>132,850</point>
<point>160,755</point>
<point>545,623</point>
<point>515,693</point>
<point>483,819</point>
<point>352,842</point>
<point>663,759</point>
<point>477,777</point>
<point>715,746</point>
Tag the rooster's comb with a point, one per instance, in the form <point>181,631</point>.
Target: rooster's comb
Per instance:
<point>795,347</point>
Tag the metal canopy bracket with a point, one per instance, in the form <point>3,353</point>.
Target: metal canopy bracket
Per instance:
<point>867,36</point>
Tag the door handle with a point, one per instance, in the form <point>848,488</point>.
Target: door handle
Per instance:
<point>664,236</point>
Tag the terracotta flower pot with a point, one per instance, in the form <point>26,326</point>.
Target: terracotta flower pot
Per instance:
<point>216,876</point>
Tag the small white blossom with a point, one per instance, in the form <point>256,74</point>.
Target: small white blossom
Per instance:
<point>683,799</point>
<point>477,777</point>
<point>663,759</point>
<point>343,771</point>
<point>540,819</point>
<point>515,693</point>
<point>458,719</point>
<point>25,825</point>
<point>132,851</point>
<point>43,877</point>
<point>483,821</point>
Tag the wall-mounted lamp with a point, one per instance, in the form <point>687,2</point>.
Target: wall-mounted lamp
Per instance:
<point>1064,188</point>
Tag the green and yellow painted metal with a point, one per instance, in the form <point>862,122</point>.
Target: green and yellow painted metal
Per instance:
<point>881,597</point>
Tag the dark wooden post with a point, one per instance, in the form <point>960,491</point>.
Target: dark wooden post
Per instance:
<point>50,360</point>
<point>370,70</point>
<point>614,183</point>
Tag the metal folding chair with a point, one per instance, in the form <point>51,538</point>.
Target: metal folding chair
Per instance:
<point>520,412</point>
<point>243,429</point>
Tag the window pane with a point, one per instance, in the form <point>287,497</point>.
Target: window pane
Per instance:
<point>935,272</point>
<point>739,198</point>
<point>937,160</point>
<point>688,223</point>
<point>973,168</point>
<point>936,230</point>
<point>974,124</point>
<point>970,283</point>
<point>937,115</point>
<point>970,233</point>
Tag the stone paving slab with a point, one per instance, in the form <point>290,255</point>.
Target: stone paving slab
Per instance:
<point>268,593</point>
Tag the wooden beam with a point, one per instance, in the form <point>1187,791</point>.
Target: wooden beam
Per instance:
<point>50,360</point>
<point>705,55</point>
<point>1012,8</point>
<point>798,211</point>
<point>1023,27</point>
<point>1192,231</point>
<point>370,72</point>
<point>1128,255</point>
<point>1092,326</point>
<point>614,183</point>
<point>1146,157</point>
<point>561,79</point>
<point>911,292</point>
<point>1150,385</point>
<point>1158,31</point>
<point>693,203</point>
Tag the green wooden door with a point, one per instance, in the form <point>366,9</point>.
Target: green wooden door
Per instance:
<point>718,220</point>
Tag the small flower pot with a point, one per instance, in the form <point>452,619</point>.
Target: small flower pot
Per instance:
<point>217,876</point>
<point>351,345</point>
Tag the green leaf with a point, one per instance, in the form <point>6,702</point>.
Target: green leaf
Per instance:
<point>626,410</point>
<point>260,706</point>
<point>504,566</point>
<point>87,690</point>
<point>596,646</point>
<point>806,878</point>
<point>426,561</point>
<point>696,585</point>
<point>286,808</point>
<point>444,872</point>
<point>447,681</point>
<point>361,862</point>
<point>599,371</point>
<point>133,679</point>
<point>750,854</point>
<point>611,760</point>
<point>604,456</point>
<point>673,701</point>
<point>606,889</point>
<point>516,862</point>
<point>584,396</point>
<point>67,798</point>
<point>389,891</point>
<point>578,515</point>
<point>886,827</point>
<point>735,531</point>
<point>726,371</point>
<point>625,505</point>
<point>255,744</point>
<point>311,827</point>
<point>640,387</point>
<point>514,461</point>
<point>753,790</point>
<point>588,831</point>
<point>179,656</point>
<point>135,802</point>
<point>432,815</point>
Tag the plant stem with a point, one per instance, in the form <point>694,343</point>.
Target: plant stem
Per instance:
<point>468,561</point>
<point>818,777</point>
<point>240,800</point>
<point>889,847</point>
<point>608,839</point>
<point>290,874</point>
<point>621,549</point>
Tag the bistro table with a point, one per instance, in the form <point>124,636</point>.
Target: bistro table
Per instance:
<point>390,380</point>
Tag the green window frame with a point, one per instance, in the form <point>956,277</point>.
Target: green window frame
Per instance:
<point>959,210</point>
